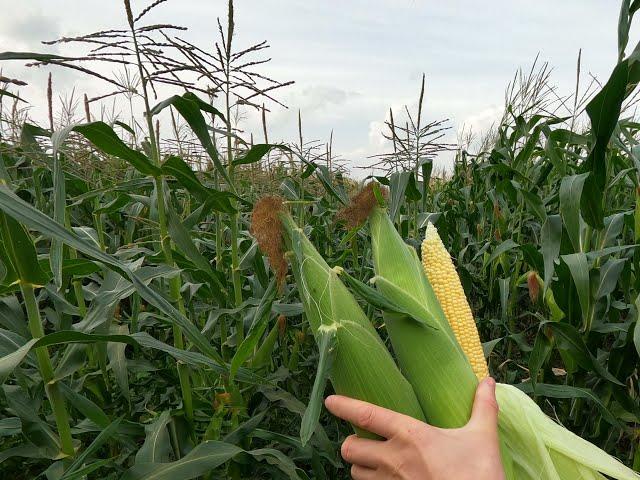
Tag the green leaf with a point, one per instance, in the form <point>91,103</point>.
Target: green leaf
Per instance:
<point>204,106</point>
<point>34,429</point>
<point>624,25</point>
<point>247,257</point>
<point>373,296</point>
<point>19,209</point>
<point>425,218</point>
<point>28,138</point>
<point>500,249</point>
<point>327,341</point>
<point>324,176</point>
<point>59,211</point>
<point>412,192</point>
<point>609,275</point>
<point>27,450</point>
<point>59,201</point>
<point>256,152</point>
<point>488,347</point>
<point>118,361</point>
<point>532,256</point>
<point>182,239</point>
<point>579,268</point>
<point>257,329</point>
<point>178,168</point>
<point>10,426</point>
<point>604,112</point>
<point>505,292</point>
<point>636,329</point>
<point>6,93</point>
<point>426,166</point>
<point>81,473</point>
<point>591,203</point>
<point>106,140</point>
<point>9,362</point>
<point>570,339</point>
<point>236,436</point>
<point>613,226</point>
<point>157,446</point>
<point>12,317</point>
<point>398,184</point>
<point>278,459</point>
<point>596,254</point>
<point>534,204</point>
<point>100,440</point>
<point>125,126</point>
<point>21,251</point>
<point>201,460</point>
<point>189,109</point>
<point>551,235</point>
<point>121,201</point>
<point>538,356</point>
<point>4,173</point>
<point>570,194</point>
<point>194,358</point>
<point>85,406</point>
<point>289,189</point>
<point>139,339</point>
<point>8,274</point>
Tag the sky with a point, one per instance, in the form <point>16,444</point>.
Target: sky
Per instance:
<point>353,60</point>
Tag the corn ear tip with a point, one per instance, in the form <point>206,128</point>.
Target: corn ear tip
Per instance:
<point>338,270</point>
<point>431,233</point>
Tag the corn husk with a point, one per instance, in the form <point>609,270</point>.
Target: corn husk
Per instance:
<point>424,343</point>
<point>362,366</point>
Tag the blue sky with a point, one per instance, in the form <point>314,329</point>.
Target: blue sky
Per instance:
<point>353,60</point>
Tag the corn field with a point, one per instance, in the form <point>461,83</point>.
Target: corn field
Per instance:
<point>145,333</point>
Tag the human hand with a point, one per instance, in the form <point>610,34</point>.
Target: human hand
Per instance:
<point>414,450</point>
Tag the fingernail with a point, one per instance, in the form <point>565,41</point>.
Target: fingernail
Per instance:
<point>490,381</point>
<point>329,400</point>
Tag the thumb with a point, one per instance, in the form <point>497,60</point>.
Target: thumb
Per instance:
<point>485,407</point>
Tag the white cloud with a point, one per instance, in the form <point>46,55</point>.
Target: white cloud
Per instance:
<point>26,31</point>
<point>376,138</point>
<point>482,120</point>
<point>323,100</point>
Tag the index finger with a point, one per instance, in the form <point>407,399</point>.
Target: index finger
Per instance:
<point>369,417</point>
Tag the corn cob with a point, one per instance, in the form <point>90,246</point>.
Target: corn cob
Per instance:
<point>533,446</point>
<point>444,279</point>
<point>423,341</point>
<point>362,366</point>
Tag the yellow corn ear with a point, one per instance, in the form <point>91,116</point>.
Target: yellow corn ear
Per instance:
<point>533,447</point>
<point>427,350</point>
<point>444,279</point>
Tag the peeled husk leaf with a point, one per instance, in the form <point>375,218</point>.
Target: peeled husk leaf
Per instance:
<point>542,449</point>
